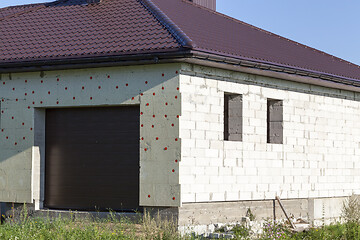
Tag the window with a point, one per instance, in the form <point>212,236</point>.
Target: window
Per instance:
<point>233,117</point>
<point>275,121</point>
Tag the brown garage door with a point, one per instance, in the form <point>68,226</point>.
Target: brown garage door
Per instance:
<point>92,158</point>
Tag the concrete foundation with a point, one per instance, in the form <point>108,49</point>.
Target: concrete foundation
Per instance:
<point>206,217</point>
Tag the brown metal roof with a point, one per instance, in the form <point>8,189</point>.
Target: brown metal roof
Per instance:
<point>217,33</point>
<point>72,29</point>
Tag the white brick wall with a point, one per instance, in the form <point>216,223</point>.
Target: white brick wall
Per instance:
<point>320,156</point>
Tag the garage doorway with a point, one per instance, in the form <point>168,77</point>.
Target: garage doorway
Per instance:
<point>92,158</point>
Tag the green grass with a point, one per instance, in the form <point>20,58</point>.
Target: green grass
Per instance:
<point>155,228</point>
<point>150,228</point>
<point>338,231</point>
<point>111,228</point>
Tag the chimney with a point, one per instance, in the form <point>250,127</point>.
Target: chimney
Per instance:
<point>206,3</point>
<point>92,1</point>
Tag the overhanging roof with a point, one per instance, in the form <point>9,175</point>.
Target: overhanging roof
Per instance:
<point>70,31</point>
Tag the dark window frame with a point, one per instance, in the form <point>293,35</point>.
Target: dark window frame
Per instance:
<point>275,121</point>
<point>233,117</point>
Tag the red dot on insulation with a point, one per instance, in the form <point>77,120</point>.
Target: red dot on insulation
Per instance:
<point>153,116</point>
<point>3,83</point>
<point>165,116</point>
<point>172,124</point>
<point>149,196</point>
<point>33,92</point>
<point>173,198</point>
<point>28,107</point>
<point>175,97</point>
<point>152,126</point>
<point>25,94</point>
<point>177,116</point>
<point>173,170</point>
<point>16,99</point>
<point>13,89</point>
<point>127,84</point>
<point>176,72</point>
<point>108,76</point>
<point>25,81</point>
<point>162,74</point>
<point>90,77</point>
<point>176,139</point>
<point>41,102</point>
<point>57,102</point>
<point>15,143</point>
<point>57,79</point>
<point>162,88</point>
<point>99,87</point>
<point>142,125</point>
<point>7,137</point>
<point>117,87</point>
<point>166,104</point>
<point>147,104</point>
<point>82,87</point>
<point>33,102</point>
<point>153,94</point>
<point>145,149</point>
<point>141,94</point>
<point>42,81</point>
<point>141,113</point>
<point>12,117</point>
<point>157,138</point>
<point>132,98</point>
<point>49,92</point>
<point>90,98</point>
<point>23,138</point>
<point>2,130</point>
<point>176,160</point>
<point>165,148</point>
<point>177,88</point>
<point>31,129</point>
<point>23,124</point>
<point>65,88</point>
<point>146,82</point>
<point>142,138</point>
<point>73,98</point>
<point>2,111</point>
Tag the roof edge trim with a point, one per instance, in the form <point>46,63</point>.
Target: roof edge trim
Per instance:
<point>174,30</point>
<point>94,62</point>
<point>278,75</point>
<point>273,74</point>
<point>264,65</point>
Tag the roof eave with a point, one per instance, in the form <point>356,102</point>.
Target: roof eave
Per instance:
<point>185,56</point>
<point>93,61</point>
<point>275,71</point>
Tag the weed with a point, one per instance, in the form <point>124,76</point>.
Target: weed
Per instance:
<point>242,232</point>
<point>274,230</point>
<point>250,214</point>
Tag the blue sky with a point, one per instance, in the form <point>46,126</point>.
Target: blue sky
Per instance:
<point>332,26</point>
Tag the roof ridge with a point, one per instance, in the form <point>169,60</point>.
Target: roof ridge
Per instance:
<point>21,5</point>
<point>34,7</point>
<point>22,12</point>
<point>174,30</point>
<point>270,33</point>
